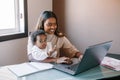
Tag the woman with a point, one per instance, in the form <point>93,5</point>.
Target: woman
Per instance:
<point>65,50</point>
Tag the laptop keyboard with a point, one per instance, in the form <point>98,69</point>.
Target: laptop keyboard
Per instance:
<point>73,67</point>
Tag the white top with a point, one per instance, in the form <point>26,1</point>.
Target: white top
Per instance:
<point>60,42</point>
<point>41,54</point>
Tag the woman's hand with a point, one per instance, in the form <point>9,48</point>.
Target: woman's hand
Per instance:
<point>80,57</point>
<point>65,60</point>
<point>61,60</point>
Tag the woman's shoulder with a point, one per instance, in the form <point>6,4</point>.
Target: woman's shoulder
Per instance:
<point>63,39</point>
<point>59,34</point>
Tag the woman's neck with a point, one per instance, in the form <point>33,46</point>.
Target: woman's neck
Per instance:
<point>50,37</point>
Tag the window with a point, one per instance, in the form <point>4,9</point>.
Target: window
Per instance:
<point>13,19</point>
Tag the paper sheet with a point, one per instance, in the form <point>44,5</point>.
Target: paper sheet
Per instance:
<point>111,63</point>
<point>41,66</point>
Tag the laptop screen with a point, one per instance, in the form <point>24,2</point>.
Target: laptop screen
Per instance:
<point>94,55</point>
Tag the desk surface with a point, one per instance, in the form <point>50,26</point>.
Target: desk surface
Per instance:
<point>93,74</point>
<point>53,74</point>
<point>98,72</point>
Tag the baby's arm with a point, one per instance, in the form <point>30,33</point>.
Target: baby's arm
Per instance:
<point>52,51</point>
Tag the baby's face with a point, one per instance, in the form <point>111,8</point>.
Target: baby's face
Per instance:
<point>41,41</point>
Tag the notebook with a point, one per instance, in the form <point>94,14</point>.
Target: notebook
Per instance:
<point>28,68</point>
<point>92,57</point>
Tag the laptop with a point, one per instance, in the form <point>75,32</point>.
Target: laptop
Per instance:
<point>92,57</point>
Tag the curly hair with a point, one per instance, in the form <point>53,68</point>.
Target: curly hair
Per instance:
<point>35,34</point>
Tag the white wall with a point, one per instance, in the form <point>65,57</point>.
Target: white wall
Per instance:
<point>88,22</point>
<point>15,51</point>
<point>35,8</point>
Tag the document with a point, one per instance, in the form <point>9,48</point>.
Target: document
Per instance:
<point>29,68</point>
<point>111,63</point>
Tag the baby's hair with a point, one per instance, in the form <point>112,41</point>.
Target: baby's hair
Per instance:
<point>35,34</point>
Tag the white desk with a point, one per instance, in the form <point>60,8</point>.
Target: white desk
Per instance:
<point>53,74</point>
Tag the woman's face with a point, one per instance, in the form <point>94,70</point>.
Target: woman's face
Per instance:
<point>50,25</point>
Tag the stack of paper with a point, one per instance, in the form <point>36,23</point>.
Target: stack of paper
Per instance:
<point>111,63</point>
<point>29,68</point>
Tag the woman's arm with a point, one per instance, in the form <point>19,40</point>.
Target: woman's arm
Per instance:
<point>49,60</point>
<point>56,60</point>
<point>78,54</point>
<point>69,50</point>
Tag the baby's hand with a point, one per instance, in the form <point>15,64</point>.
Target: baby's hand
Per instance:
<point>54,48</point>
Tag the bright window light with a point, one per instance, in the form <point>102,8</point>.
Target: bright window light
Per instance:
<point>13,17</point>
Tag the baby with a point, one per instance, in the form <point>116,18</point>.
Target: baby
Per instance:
<point>41,49</point>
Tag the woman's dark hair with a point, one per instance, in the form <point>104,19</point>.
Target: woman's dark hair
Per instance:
<point>43,17</point>
<point>35,34</point>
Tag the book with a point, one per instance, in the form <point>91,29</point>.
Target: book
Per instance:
<point>29,68</point>
<point>111,63</point>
